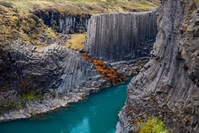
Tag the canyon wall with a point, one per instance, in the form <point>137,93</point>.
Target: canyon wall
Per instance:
<point>59,76</point>
<point>121,36</point>
<point>167,86</point>
<point>43,78</point>
<point>48,68</point>
<point>64,23</point>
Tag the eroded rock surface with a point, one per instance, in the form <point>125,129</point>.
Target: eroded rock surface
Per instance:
<point>167,86</point>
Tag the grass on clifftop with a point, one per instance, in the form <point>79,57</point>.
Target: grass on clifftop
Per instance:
<point>76,41</point>
<point>79,7</point>
<point>26,26</point>
<point>18,21</point>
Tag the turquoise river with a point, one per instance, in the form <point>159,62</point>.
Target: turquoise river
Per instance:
<point>97,114</point>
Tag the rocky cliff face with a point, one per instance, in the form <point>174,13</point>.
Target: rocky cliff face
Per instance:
<point>121,36</point>
<point>53,64</point>
<point>52,73</point>
<point>64,23</point>
<point>167,86</point>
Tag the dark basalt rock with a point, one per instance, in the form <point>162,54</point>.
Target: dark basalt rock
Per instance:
<point>121,36</point>
<point>24,70</point>
<point>64,23</point>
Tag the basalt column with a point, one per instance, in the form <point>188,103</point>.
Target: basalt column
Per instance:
<point>64,23</point>
<point>121,36</point>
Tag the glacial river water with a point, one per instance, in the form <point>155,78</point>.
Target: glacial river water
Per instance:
<point>97,114</point>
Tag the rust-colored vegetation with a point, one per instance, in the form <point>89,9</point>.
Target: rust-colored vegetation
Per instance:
<point>109,73</point>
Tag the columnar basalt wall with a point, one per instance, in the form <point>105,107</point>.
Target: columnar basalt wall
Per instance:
<point>54,67</point>
<point>121,36</point>
<point>167,86</point>
<point>64,23</point>
<point>60,75</point>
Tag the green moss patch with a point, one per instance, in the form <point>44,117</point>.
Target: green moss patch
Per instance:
<point>153,125</point>
<point>30,96</point>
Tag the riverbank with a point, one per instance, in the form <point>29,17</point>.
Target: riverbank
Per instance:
<point>96,114</point>
<point>50,103</point>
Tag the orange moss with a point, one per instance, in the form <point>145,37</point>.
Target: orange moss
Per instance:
<point>109,73</point>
